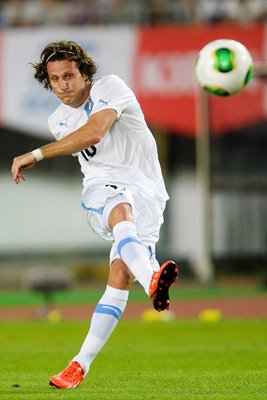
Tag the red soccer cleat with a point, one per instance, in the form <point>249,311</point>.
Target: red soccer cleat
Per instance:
<point>69,378</point>
<point>160,283</point>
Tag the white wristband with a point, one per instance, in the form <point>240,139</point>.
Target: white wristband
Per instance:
<point>38,154</point>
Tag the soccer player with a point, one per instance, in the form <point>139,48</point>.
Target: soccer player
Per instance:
<point>101,123</point>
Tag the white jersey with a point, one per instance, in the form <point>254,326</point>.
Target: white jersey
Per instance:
<point>127,154</point>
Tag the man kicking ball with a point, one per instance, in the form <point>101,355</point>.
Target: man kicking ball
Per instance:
<point>100,122</point>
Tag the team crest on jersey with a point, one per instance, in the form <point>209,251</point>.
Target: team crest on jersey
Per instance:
<point>88,106</point>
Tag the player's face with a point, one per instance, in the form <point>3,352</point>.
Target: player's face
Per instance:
<point>68,84</point>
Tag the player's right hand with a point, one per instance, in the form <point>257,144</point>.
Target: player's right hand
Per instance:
<point>25,161</point>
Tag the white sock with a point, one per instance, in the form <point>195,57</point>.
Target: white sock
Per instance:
<point>133,252</point>
<point>104,320</point>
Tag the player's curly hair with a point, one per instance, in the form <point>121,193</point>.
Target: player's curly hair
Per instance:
<point>63,50</point>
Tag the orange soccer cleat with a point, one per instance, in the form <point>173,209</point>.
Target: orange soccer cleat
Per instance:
<point>160,283</point>
<point>69,378</point>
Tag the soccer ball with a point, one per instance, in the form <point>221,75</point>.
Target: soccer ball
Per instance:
<point>224,67</point>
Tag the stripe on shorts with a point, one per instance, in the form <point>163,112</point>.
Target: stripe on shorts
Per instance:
<point>92,209</point>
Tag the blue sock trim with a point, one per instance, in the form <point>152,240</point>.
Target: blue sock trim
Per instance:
<point>125,241</point>
<point>108,309</point>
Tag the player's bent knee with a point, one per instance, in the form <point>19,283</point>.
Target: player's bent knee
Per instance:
<point>120,275</point>
<point>121,212</point>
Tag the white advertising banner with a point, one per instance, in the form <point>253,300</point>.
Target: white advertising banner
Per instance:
<point>25,104</point>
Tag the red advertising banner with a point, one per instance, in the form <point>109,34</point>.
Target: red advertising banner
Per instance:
<point>165,83</point>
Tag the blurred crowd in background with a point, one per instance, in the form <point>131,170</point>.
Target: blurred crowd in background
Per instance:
<point>18,13</point>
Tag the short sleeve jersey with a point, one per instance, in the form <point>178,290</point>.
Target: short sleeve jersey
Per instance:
<point>127,154</point>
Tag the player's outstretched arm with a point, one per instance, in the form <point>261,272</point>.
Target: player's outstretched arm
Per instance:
<point>87,135</point>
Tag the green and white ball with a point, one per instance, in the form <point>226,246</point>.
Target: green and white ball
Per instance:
<point>224,67</point>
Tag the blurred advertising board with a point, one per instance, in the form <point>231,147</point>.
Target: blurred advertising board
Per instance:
<point>158,63</point>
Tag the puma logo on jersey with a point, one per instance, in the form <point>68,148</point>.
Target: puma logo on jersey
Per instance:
<point>64,122</point>
<point>104,101</point>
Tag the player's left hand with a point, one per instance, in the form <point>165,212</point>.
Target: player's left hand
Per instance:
<point>25,161</point>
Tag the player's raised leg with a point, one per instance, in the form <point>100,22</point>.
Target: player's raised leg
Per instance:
<point>135,255</point>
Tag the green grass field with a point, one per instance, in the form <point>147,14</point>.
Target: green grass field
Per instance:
<point>185,359</point>
<point>92,294</point>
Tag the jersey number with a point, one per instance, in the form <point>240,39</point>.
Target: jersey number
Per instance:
<point>87,153</point>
